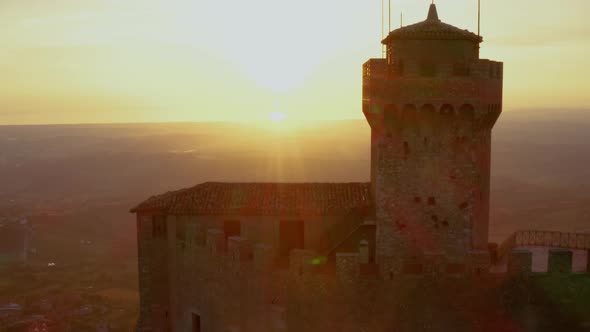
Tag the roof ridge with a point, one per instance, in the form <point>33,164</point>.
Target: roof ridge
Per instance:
<point>432,28</point>
<point>263,198</point>
<point>294,183</point>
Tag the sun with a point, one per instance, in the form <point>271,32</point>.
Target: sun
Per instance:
<point>278,116</point>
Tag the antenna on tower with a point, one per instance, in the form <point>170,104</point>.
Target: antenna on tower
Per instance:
<point>479,17</point>
<point>389,7</point>
<point>382,27</point>
<point>401,19</point>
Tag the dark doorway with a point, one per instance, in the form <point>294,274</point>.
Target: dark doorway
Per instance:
<point>291,236</point>
<point>196,323</point>
<point>232,228</point>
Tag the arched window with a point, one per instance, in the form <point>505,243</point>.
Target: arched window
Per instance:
<point>390,114</point>
<point>426,117</point>
<point>428,109</point>
<point>447,110</point>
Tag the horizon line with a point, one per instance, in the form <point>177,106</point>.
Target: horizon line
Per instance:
<point>251,122</point>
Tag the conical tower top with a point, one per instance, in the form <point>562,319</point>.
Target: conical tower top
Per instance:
<point>432,13</point>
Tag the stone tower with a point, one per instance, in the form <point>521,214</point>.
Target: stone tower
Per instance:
<point>431,104</point>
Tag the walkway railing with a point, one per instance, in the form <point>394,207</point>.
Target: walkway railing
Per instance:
<point>552,239</point>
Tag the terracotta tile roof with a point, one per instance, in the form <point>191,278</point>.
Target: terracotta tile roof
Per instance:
<point>431,29</point>
<point>214,198</point>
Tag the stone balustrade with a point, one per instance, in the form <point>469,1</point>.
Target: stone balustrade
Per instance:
<point>578,241</point>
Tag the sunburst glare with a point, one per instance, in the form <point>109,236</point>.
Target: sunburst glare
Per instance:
<point>278,116</point>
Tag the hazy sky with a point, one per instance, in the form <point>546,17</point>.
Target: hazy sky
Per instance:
<point>72,61</point>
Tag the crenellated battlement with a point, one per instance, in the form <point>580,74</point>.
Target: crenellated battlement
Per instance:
<point>379,70</point>
<point>233,281</point>
<point>453,94</point>
<point>350,267</point>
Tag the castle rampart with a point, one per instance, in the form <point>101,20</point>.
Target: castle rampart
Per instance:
<point>233,284</point>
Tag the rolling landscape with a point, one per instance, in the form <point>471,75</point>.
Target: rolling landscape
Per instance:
<point>539,163</point>
<point>76,184</point>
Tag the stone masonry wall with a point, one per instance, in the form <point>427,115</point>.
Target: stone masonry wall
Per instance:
<point>430,155</point>
<point>238,286</point>
<point>145,245</point>
<point>431,192</point>
<point>153,274</point>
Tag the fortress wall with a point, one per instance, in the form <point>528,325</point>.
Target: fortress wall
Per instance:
<point>225,283</point>
<point>451,214</point>
<point>266,229</point>
<point>153,272</point>
<point>237,286</point>
<point>178,256</point>
<point>144,250</point>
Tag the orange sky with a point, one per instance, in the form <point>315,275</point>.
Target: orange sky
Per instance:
<point>72,61</point>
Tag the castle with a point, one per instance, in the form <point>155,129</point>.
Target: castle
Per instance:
<point>407,251</point>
